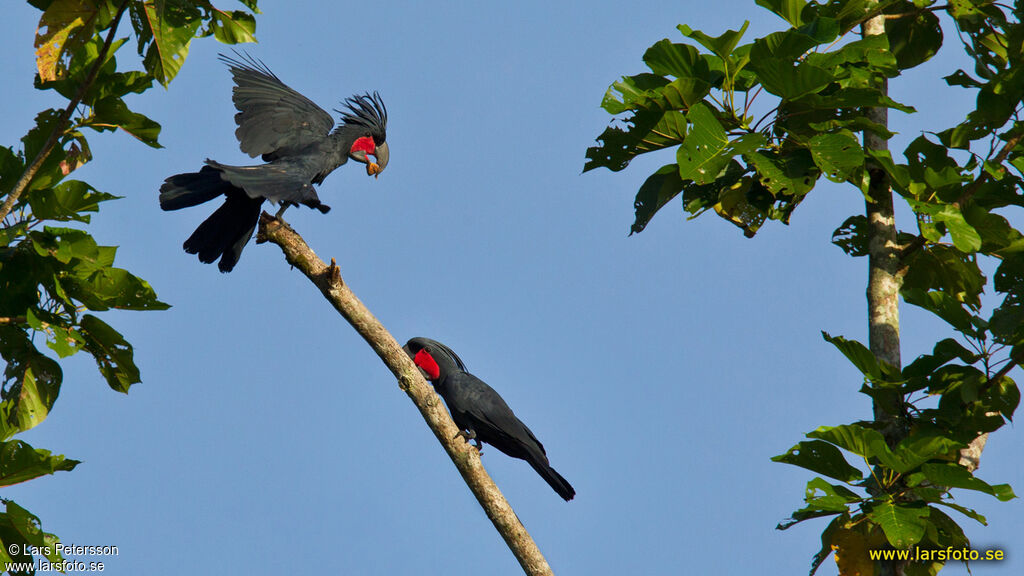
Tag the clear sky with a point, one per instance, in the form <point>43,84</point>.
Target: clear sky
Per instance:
<point>661,371</point>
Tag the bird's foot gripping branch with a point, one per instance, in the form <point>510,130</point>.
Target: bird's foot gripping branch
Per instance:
<point>327,277</point>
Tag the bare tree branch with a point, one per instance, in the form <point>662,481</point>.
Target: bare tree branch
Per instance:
<point>466,458</point>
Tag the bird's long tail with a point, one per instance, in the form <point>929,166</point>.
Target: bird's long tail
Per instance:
<point>225,233</point>
<point>554,479</point>
<point>193,188</point>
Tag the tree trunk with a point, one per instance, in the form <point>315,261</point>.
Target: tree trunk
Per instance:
<point>883,266</point>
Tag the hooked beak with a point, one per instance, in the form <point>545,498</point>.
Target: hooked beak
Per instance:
<point>375,168</point>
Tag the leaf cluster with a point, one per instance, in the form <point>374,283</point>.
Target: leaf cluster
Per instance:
<point>54,276</point>
<point>756,126</point>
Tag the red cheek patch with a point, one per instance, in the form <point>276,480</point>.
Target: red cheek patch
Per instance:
<point>364,144</point>
<point>425,361</point>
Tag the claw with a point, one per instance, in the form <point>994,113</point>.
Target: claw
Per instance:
<point>471,435</point>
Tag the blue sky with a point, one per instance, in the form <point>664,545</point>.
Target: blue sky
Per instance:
<point>661,371</point>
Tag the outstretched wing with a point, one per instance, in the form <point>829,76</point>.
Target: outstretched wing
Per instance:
<point>273,120</point>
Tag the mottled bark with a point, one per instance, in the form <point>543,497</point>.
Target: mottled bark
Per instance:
<point>883,251</point>
<point>884,277</point>
<point>466,458</point>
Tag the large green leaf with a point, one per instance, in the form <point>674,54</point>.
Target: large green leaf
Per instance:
<point>647,131</point>
<point>171,25</point>
<point>33,383</point>
<point>904,524</point>
<point>839,154</point>
<point>659,188</point>
<point>862,441</point>
<point>707,150</point>
<point>965,237</point>
<point>19,529</point>
<point>789,81</point>
<point>722,46</point>
<point>112,113</point>
<point>944,351</point>
<point>67,201</point>
<point>20,462</point>
<point>788,174</point>
<point>666,58</point>
<point>64,25</point>
<point>821,457</point>
<point>860,356</point>
<point>113,354</point>
<point>852,236</point>
<point>914,39</point>
<point>955,476</point>
<point>788,10</point>
<point>944,306</point>
<point>945,268</point>
<point>233,27</point>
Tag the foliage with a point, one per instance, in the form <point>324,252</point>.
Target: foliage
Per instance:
<point>53,273</point>
<point>751,161</point>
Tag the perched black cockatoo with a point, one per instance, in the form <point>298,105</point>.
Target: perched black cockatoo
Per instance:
<point>480,412</point>
<point>300,145</point>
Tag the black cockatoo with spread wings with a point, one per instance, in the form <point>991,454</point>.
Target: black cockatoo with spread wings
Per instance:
<point>300,146</point>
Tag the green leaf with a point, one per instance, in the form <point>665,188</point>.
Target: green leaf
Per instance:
<point>171,27</point>
<point>820,457</point>
<point>824,496</point>
<point>20,526</point>
<point>839,155</point>
<point>103,287</point>
<point>633,92</point>
<point>666,58</point>
<point>945,268</point>
<point>852,236</point>
<point>826,541</point>
<point>648,131</point>
<point>113,354</point>
<point>67,201</point>
<point>656,191</point>
<point>944,351</point>
<point>903,523</point>
<point>20,462</point>
<point>860,356</point>
<point>782,78</point>
<point>966,512</point>
<point>788,10</point>
<point>722,46</point>
<point>965,237</point>
<point>707,150</point>
<point>112,113</point>
<point>862,441</point>
<point>33,382</point>
<point>787,174</point>
<point>944,306</point>
<point>956,476</point>
<point>913,40</point>
<point>233,27</point>
<point>922,445</point>
<point>64,25</point>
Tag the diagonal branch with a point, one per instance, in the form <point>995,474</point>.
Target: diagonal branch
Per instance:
<point>62,122</point>
<point>328,279</point>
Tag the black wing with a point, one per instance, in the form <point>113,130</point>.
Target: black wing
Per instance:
<point>273,120</point>
<point>491,418</point>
